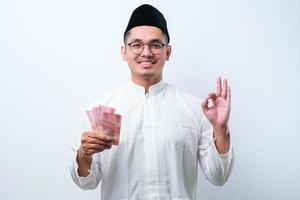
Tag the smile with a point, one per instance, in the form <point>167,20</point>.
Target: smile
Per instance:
<point>146,62</point>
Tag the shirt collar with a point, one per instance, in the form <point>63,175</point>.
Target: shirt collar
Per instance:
<point>153,89</point>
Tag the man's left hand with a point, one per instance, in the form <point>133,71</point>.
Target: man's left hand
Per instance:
<point>216,106</point>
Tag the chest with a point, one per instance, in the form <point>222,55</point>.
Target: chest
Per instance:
<point>160,122</point>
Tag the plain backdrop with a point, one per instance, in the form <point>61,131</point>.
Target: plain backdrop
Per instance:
<point>58,56</point>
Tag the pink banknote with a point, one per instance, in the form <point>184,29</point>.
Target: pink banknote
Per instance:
<point>105,120</point>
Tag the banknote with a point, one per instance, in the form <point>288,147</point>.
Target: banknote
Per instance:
<point>105,120</point>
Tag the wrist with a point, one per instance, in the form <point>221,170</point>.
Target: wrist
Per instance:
<point>84,164</point>
<point>221,130</point>
<point>82,156</point>
<point>222,139</point>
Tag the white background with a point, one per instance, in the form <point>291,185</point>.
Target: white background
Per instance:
<point>58,56</point>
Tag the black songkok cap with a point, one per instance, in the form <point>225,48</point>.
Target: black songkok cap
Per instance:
<point>147,15</point>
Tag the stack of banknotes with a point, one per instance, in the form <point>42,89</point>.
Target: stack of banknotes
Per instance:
<point>105,120</point>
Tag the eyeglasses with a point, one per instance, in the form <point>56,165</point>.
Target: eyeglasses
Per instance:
<point>138,47</point>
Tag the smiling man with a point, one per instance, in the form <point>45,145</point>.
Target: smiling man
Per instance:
<point>146,50</point>
<point>166,133</point>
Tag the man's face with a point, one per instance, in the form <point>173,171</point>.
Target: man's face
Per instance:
<point>146,66</point>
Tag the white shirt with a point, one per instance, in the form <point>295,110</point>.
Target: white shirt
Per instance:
<point>164,136</point>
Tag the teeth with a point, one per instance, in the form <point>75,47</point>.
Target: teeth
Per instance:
<point>146,62</point>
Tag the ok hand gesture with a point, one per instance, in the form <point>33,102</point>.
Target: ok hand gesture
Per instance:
<point>218,110</point>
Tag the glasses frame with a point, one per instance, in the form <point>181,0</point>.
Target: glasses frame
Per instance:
<point>143,47</point>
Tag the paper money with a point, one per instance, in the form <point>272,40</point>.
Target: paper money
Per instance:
<point>105,120</point>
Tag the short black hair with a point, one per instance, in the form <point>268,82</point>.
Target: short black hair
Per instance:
<point>126,35</point>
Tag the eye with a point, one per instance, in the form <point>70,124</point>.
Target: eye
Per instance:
<point>156,45</point>
<point>136,45</point>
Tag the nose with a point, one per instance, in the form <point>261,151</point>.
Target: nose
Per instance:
<point>146,51</point>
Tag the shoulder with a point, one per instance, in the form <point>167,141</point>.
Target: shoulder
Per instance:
<point>186,96</point>
<point>108,98</point>
<point>186,103</point>
<point>185,99</point>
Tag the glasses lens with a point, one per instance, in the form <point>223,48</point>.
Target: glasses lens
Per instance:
<point>156,48</point>
<point>137,47</point>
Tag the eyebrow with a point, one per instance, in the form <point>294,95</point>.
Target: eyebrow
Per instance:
<point>156,40</point>
<point>151,41</point>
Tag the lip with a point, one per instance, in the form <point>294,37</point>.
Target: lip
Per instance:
<point>146,64</point>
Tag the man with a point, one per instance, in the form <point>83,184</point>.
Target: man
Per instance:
<point>164,135</point>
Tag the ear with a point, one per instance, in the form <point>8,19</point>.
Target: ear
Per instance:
<point>169,50</point>
<point>123,52</point>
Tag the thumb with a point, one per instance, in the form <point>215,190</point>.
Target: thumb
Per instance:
<point>204,104</point>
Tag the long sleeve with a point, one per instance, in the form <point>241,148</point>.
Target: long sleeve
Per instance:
<point>92,180</point>
<point>216,167</point>
<point>163,137</point>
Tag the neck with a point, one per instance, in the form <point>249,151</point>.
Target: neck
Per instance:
<point>146,83</point>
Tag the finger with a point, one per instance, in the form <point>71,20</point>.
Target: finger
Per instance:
<point>213,96</point>
<point>90,138</point>
<point>104,137</point>
<point>219,87</point>
<point>97,136</point>
<point>99,149</point>
<point>204,104</point>
<point>89,134</point>
<point>94,147</point>
<point>90,152</point>
<point>98,146</point>
<point>97,141</point>
<point>228,98</point>
<point>224,88</point>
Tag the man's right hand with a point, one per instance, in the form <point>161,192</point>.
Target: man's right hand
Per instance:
<point>91,143</point>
